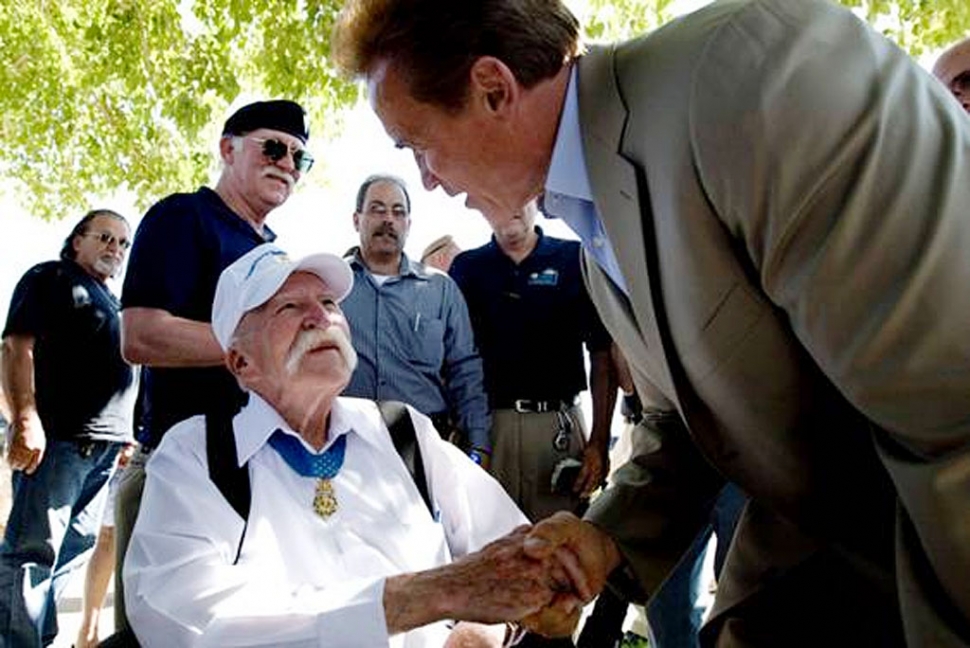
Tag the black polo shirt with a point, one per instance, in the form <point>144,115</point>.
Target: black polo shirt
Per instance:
<point>530,320</point>
<point>83,387</point>
<point>181,247</point>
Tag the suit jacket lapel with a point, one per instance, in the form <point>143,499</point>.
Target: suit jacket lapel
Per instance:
<point>617,196</point>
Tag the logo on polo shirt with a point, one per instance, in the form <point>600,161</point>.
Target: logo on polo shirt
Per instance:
<point>548,277</point>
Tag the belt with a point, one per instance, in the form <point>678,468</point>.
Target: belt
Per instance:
<point>534,405</point>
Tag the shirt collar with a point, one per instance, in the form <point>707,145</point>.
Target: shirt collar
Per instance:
<point>567,169</point>
<point>540,245</point>
<point>257,421</point>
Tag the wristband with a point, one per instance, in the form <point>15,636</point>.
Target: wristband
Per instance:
<point>479,455</point>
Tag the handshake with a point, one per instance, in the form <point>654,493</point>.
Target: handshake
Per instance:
<point>539,576</point>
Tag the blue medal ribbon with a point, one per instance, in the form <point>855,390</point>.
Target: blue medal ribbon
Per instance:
<point>308,464</point>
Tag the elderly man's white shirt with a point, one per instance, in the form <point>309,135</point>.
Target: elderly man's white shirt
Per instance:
<point>300,580</point>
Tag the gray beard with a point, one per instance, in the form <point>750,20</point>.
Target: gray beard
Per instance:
<point>107,268</point>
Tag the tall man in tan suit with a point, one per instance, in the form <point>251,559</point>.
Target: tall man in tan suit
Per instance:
<point>773,202</point>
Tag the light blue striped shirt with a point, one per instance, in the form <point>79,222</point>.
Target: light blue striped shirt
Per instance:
<point>415,344</point>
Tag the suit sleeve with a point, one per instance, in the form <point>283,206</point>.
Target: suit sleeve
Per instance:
<point>852,206</point>
<point>672,489</point>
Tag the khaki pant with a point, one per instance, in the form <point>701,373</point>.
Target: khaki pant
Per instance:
<point>128,502</point>
<point>523,457</point>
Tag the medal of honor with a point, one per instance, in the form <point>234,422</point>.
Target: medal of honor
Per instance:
<point>325,500</point>
<point>324,467</point>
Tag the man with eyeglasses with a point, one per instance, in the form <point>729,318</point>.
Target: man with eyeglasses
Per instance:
<point>182,244</point>
<point>410,325</point>
<point>953,69</point>
<point>71,397</point>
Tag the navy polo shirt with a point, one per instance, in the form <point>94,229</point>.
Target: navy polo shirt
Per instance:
<point>181,247</point>
<point>530,320</point>
<point>83,387</point>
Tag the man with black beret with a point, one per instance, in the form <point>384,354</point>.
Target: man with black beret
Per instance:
<point>182,245</point>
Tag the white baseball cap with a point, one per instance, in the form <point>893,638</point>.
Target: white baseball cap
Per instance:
<point>255,277</point>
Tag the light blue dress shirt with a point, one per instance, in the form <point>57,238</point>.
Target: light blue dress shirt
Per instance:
<point>569,196</point>
<point>415,344</point>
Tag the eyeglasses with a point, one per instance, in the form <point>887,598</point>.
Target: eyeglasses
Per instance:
<point>275,150</point>
<point>108,238</point>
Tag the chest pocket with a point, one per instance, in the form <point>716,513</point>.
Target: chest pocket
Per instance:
<point>428,348</point>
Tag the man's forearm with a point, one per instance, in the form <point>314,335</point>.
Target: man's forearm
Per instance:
<point>603,385</point>
<point>154,337</point>
<point>413,600</point>
<point>18,376</point>
<point>466,388</point>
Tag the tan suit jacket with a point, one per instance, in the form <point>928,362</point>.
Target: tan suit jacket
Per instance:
<point>788,196</point>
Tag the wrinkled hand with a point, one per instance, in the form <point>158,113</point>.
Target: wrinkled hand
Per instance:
<point>498,583</point>
<point>593,472</point>
<point>584,554</point>
<point>26,444</point>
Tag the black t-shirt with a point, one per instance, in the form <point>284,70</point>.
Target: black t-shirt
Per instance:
<point>530,320</point>
<point>181,247</point>
<point>83,387</point>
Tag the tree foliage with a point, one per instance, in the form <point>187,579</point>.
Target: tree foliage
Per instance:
<point>917,26</point>
<point>102,96</point>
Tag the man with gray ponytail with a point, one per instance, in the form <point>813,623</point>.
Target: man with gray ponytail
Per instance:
<point>71,398</point>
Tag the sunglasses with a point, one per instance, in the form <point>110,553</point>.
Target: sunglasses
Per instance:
<point>276,150</point>
<point>107,239</point>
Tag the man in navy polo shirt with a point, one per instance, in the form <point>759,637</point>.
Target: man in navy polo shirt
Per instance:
<point>71,399</point>
<point>182,245</point>
<point>531,315</point>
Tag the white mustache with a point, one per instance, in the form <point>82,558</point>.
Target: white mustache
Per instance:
<point>273,172</point>
<point>312,338</point>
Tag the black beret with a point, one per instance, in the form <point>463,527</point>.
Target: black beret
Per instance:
<point>280,114</point>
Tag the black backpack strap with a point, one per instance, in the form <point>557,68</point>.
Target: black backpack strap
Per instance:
<point>399,423</point>
<point>230,478</point>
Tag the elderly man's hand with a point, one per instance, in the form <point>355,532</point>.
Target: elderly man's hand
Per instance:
<point>498,583</point>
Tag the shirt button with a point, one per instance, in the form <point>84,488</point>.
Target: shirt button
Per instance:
<point>598,241</point>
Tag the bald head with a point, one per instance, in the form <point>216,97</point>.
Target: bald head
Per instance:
<point>953,70</point>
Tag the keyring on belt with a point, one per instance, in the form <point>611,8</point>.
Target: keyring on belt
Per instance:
<point>561,441</point>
